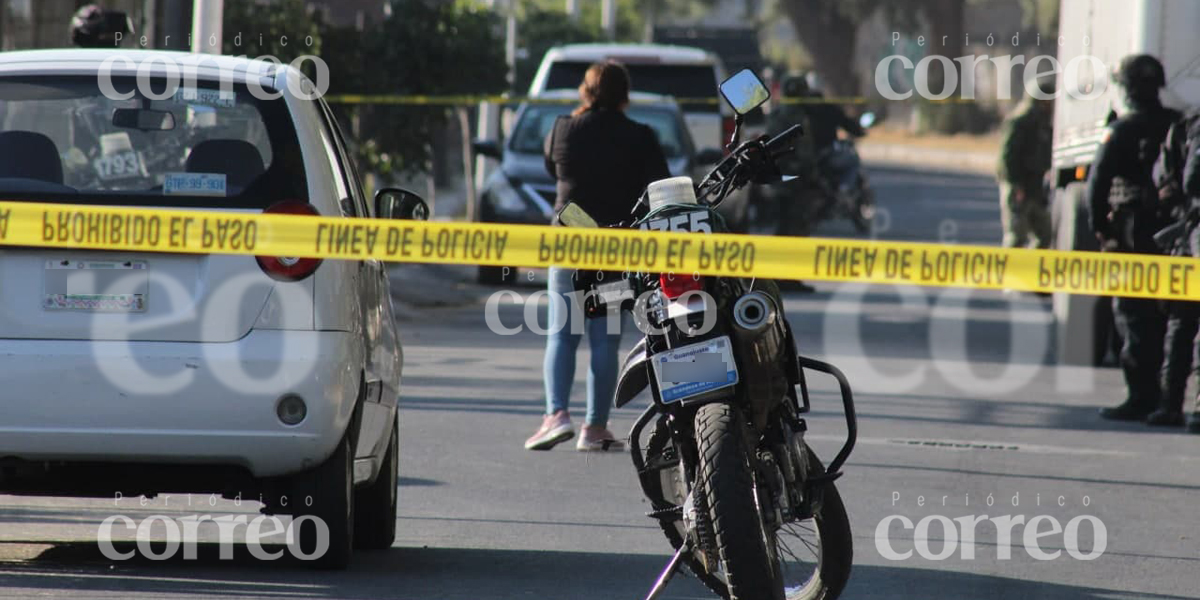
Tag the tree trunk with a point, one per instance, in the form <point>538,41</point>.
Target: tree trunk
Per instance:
<point>945,18</point>
<point>468,159</point>
<point>829,37</point>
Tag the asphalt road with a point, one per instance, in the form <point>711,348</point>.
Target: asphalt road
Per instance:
<point>957,403</point>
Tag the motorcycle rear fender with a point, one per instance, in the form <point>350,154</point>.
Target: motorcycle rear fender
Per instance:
<point>635,375</point>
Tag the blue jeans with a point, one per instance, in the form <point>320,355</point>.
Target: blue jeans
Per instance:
<point>566,325</point>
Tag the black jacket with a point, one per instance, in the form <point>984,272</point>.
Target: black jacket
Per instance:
<point>603,161</point>
<point>824,120</point>
<point>1128,154</point>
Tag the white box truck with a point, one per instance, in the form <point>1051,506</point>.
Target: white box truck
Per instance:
<point>1108,30</point>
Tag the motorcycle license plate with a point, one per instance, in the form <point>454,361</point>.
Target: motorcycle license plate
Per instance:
<point>695,369</point>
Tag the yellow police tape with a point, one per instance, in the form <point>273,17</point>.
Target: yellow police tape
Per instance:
<point>457,100</point>
<point>469,100</point>
<point>208,232</point>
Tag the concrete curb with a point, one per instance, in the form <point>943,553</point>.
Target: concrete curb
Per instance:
<point>416,287</point>
<point>983,163</point>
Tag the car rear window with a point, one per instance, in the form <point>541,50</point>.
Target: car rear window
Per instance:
<point>67,139</point>
<point>680,81</point>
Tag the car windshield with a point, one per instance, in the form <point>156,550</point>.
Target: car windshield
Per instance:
<point>65,139</point>
<point>680,81</point>
<point>537,120</point>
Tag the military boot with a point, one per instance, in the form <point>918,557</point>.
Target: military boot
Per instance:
<point>1129,410</point>
<point>1165,417</point>
<point>1193,424</point>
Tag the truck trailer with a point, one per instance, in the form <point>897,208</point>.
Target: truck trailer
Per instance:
<point>1106,31</point>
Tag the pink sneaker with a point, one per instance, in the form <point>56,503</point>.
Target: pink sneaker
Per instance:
<point>555,429</point>
<point>598,439</point>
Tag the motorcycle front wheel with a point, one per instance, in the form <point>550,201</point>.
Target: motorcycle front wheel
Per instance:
<point>799,560</point>
<point>863,213</point>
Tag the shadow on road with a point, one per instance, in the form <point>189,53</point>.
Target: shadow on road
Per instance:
<point>395,573</point>
<point>467,573</point>
<point>877,583</point>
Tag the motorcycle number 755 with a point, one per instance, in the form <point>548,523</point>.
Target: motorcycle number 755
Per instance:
<point>689,222</point>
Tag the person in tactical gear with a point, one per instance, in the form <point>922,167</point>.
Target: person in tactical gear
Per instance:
<point>96,27</point>
<point>826,118</point>
<point>1125,216</point>
<point>789,197</point>
<point>1026,141</point>
<point>1180,238</point>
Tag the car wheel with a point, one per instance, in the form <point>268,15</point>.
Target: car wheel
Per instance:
<point>375,505</point>
<point>497,275</point>
<point>323,513</point>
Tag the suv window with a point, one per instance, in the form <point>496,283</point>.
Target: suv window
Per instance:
<point>680,81</point>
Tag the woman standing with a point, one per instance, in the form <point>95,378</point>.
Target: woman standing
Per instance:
<point>602,161</point>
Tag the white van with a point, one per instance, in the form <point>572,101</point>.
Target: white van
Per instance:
<point>690,75</point>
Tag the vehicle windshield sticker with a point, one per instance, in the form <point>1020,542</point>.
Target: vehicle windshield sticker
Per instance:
<point>120,165</point>
<point>206,97</point>
<point>194,184</point>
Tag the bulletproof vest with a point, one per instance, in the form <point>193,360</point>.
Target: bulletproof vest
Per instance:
<point>1135,189</point>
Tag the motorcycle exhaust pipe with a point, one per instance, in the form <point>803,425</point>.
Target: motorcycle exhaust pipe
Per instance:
<point>754,312</point>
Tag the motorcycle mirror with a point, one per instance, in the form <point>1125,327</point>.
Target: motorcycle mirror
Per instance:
<point>572,215</point>
<point>867,120</point>
<point>745,91</point>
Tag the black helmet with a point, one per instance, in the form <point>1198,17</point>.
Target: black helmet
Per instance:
<point>96,27</point>
<point>1141,72</point>
<point>794,86</point>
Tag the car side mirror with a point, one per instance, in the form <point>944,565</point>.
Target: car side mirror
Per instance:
<point>488,148</point>
<point>396,203</point>
<point>709,156</point>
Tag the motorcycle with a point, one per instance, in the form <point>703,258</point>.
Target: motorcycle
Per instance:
<point>720,453</point>
<point>838,189</point>
<point>848,193</point>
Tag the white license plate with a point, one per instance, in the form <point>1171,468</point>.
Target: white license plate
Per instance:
<point>695,369</point>
<point>96,285</point>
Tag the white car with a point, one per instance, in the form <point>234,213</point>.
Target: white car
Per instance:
<point>140,373</point>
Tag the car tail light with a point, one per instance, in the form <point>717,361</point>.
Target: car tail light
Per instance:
<point>287,268</point>
<point>727,127</point>
<point>674,286</point>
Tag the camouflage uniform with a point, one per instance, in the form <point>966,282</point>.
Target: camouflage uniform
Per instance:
<point>1024,160</point>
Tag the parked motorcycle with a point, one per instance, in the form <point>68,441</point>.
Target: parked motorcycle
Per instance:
<point>720,453</point>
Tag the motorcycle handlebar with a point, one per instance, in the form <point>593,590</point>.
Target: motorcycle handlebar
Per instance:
<point>783,141</point>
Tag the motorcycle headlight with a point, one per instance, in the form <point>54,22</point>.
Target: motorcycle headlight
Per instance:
<point>505,197</point>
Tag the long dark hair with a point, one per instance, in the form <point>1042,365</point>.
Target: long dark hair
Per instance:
<point>605,86</point>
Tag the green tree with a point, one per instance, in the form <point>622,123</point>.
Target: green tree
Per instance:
<point>422,49</point>
<point>541,29</point>
<point>253,29</point>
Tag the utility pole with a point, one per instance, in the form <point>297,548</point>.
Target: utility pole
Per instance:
<point>206,26</point>
<point>573,10</point>
<point>608,18</point>
<point>174,25</point>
